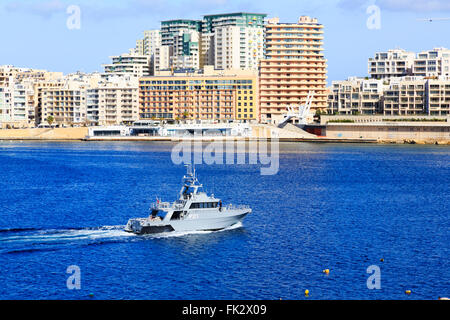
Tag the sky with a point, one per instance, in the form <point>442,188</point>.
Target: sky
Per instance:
<point>35,33</point>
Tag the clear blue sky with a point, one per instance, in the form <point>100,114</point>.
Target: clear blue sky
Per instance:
<point>34,32</point>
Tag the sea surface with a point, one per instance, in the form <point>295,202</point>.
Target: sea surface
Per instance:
<point>338,207</point>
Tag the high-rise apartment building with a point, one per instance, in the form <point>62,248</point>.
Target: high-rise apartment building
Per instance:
<point>148,46</point>
<point>181,38</point>
<point>294,66</point>
<point>233,41</point>
<point>225,41</point>
<point>186,46</point>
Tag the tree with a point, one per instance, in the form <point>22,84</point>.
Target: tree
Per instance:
<point>50,120</point>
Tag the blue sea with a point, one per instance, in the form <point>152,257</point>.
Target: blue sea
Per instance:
<point>338,207</point>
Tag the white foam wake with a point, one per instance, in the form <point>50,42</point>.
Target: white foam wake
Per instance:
<point>57,235</point>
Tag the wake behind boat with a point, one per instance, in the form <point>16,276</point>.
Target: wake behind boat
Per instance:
<point>193,211</point>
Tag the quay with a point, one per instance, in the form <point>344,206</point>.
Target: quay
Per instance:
<point>330,129</point>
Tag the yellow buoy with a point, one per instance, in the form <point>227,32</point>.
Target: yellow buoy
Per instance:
<point>408,291</point>
<point>306,292</point>
<point>326,271</point>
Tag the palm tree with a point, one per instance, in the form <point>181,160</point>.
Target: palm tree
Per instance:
<point>186,114</point>
<point>50,120</point>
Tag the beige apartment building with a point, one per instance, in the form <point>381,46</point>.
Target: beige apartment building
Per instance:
<point>294,65</point>
<point>113,102</point>
<point>17,105</point>
<point>211,97</point>
<point>66,103</point>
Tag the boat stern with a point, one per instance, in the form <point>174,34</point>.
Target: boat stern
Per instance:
<point>134,226</point>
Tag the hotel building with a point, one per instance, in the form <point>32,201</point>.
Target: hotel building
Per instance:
<point>293,66</point>
<point>209,97</point>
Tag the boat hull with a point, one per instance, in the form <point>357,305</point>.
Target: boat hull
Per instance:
<point>143,227</point>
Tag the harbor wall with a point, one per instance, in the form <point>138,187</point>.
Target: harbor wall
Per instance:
<point>390,132</point>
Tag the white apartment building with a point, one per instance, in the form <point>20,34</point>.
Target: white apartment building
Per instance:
<point>432,63</point>
<point>16,104</point>
<point>151,41</point>
<point>438,96</point>
<point>162,59</point>
<point>356,96</point>
<point>227,48</point>
<point>129,63</point>
<point>5,105</point>
<point>393,63</point>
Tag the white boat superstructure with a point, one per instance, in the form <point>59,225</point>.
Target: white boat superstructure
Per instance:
<point>193,211</point>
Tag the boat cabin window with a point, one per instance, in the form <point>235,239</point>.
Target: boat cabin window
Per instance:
<point>204,205</point>
<point>187,192</point>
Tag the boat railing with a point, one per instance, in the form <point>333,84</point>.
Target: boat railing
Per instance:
<point>239,207</point>
<point>167,205</point>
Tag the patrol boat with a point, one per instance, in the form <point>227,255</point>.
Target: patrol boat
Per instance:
<point>193,211</point>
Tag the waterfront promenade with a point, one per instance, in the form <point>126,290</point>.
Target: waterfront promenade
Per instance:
<point>399,133</point>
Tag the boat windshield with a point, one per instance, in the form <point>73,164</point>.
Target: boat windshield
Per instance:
<point>157,214</point>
